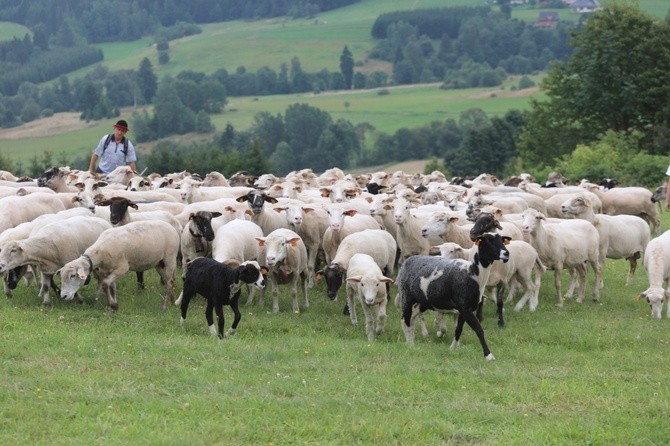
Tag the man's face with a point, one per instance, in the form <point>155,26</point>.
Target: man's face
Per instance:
<point>118,133</point>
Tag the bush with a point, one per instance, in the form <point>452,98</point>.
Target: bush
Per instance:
<point>525,82</point>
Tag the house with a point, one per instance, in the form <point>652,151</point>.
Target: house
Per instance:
<point>584,6</point>
<point>547,20</point>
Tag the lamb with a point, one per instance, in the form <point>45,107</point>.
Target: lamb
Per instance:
<point>286,258</point>
<point>310,223</point>
<point>621,236</point>
<point>569,244</point>
<point>444,285</point>
<point>367,285</point>
<point>657,265</point>
<point>51,247</point>
<point>220,284</point>
<point>377,243</point>
<point>342,222</point>
<point>137,246</point>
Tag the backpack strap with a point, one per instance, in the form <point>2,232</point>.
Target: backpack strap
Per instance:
<point>109,139</point>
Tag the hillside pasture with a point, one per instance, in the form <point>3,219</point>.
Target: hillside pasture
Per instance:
<point>588,373</point>
<point>408,106</point>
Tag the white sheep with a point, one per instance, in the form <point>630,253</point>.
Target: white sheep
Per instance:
<point>657,265</point>
<point>310,223</point>
<point>629,201</point>
<point>621,236</point>
<point>137,246</point>
<point>342,222</point>
<point>367,285</point>
<point>286,260</point>
<point>568,244</point>
<point>377,243</point>
<point>51,247</point>
<point>17,209</point>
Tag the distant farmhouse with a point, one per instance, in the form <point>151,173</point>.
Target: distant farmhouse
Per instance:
<point>583,5</point>
<point>547,20</point>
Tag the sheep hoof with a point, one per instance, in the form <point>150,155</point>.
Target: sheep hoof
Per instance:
<point>490,357</point>
<point>230,332</point>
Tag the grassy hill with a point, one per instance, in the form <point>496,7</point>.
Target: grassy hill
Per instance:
<point>318,44</point>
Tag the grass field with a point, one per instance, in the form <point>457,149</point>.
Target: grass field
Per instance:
<point>590,373</point>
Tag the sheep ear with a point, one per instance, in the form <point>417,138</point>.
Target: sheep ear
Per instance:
<point>506,240</point>
<point>354,279</point>
<point>386,280</point>
<point>134,206</point>
<point>478,241</point>
<point>261,241</point>
<point>434,250</point>
<point>318,275</point>
<point>294,241</point>
<point>640,296</point>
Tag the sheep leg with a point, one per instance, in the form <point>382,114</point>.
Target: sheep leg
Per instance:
<point>235,306</point>
<point>499,304</point>
<point>476,326</point>
<point>108,289</point>
<point>275,296</point>
<point>409,315</point>
<point>573,283</point>
<point>369,322</point>
<point>209,317</point>
<point>632,267</point>
<point>557,284</point>
<point>140,279</point>
<point>597,270</point>
<point>45,288</point>
<point>311,267</point>
<point>441,324</point>
<point>220,318</point>
<point>303,280</point>
<point>581,288</point>
<point>294,296</point>
<point>352,307</point>
<point>381,316</point>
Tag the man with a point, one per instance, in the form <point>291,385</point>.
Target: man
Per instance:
<point>113,151</point>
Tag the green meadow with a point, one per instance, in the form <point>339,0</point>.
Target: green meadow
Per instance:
<point>583,374</point>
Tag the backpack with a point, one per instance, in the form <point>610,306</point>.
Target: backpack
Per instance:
<point>108,140</point>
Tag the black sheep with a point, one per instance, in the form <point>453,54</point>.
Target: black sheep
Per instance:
<point>220,284</point>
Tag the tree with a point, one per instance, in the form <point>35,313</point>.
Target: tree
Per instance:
<point>171,115</point>
<point>304,125</point>
<point>347,67</point>
<point>147,80</point>
<point>617,78</point>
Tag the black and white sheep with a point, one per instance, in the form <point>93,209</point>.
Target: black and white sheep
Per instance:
<point>220,284</point>
<point>444,285</point>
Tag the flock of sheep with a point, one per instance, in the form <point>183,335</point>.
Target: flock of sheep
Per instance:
<point>442,245</point>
